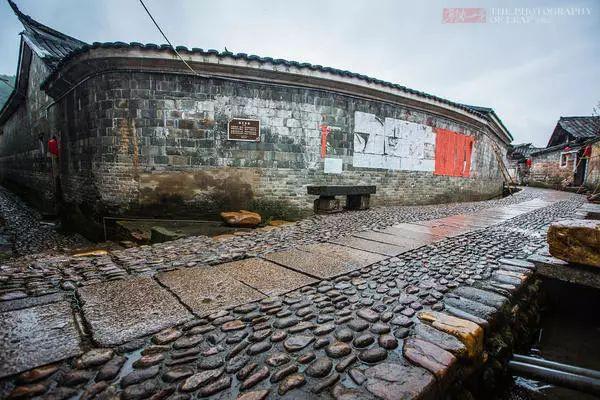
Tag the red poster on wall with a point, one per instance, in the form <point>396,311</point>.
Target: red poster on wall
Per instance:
<point>452,153</point>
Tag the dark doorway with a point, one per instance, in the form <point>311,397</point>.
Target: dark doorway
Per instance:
<point>581,169</point>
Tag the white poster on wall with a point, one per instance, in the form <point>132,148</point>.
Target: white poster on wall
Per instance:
<point>392,144</point>
<point>332,166</point>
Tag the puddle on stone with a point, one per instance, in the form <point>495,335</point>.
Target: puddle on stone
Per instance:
<point>128,365</point>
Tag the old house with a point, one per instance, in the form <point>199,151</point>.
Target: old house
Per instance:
<point>571,156</point>
<point>519,162</point>
<point>140,133</point>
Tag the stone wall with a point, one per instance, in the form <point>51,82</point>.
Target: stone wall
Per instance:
<point>24,165</point>
<point>157,144</point>
<point>592,178</point>
<point>546,170</point>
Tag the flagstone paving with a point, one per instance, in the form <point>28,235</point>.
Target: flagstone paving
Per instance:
<point>204,290</point>
<point>389,238</point>
<point>420,238</point>
<point>36,336</point>
<point>356,257</point>
<point>119,311</point>
<point>264,276</point>
<point>313,264</point>
<point>385,249</point>
<point>385,321</point>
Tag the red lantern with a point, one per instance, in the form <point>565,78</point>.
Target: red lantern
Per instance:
<point>529,162</point>
<point>53,146</point>
<point>587,152</point>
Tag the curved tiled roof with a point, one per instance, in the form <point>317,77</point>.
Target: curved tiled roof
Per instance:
<point>259,59</point>
<point>581,127</point>
<point>60,49</point>
<point>51,45</point>
<point>489,111</point>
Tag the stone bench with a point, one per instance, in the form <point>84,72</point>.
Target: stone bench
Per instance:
<point>357,197</point>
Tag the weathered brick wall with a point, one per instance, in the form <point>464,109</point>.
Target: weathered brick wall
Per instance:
<point>592,178</point>
<point>23,162</point>
<point>157,143</point>
<point>546,170</point>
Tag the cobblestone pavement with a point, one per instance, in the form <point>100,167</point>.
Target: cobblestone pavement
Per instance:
<point>41,274</point>
<point>27,233</point>
<point>369,306</point>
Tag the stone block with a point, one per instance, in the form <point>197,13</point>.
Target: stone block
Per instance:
<point>398,380</point>
<point>429,356</point>
<point>404,242</point>
<point>159,234</point>
<point>327,205</point>
<point>315,265</point>
<point>370,246</point>
<point>576,241</point>
<point>469,333</point>
<point>242,218</point>
<point>358,202</point>
<point>360,258</point>
<point>265,276</point>
<point>37,336</point>
<point>119,311</point>
<point>207,289</point>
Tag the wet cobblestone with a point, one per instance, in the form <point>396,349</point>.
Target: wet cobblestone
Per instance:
<point>26,231</point>
<point>348,337</point>
<point>40,274</point>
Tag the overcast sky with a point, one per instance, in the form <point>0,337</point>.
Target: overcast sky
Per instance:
<point>531,72</point>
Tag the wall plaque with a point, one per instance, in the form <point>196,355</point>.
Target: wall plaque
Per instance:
<point>243,129</point>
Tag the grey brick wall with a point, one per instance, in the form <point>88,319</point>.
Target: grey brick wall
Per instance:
<point>24,164</point>
<point>157,143</point>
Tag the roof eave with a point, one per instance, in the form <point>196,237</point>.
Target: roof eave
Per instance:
<point>210,63</point>
<point>189,54</point>
<point>16,96</point>
<point>498,122</point>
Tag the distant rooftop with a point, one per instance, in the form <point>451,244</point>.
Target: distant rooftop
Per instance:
<point>581,127</point>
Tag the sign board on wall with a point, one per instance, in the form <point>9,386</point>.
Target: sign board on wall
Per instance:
<point>247,130</point>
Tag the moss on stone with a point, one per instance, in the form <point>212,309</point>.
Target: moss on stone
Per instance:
<point>277,210</point>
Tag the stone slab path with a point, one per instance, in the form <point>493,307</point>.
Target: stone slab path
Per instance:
<point>118,311</point>
<point>352,317</point>
<point>36,336</point>
<point>205,290</point>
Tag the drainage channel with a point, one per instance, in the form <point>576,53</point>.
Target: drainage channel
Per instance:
<point>564,360</point>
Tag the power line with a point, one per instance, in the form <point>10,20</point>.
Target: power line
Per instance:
<point>167,39</point>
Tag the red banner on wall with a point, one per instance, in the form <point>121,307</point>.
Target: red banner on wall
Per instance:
<point>452,153</point>
<point>324,133</point>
